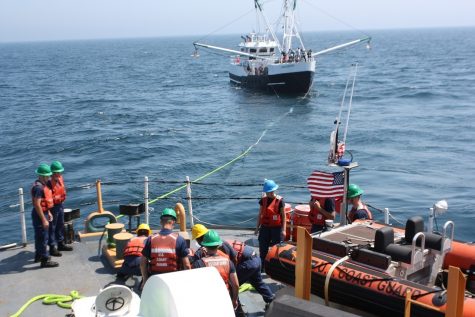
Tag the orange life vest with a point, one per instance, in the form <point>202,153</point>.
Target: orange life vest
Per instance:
<point>135,246</point>
<point>59,191</point>
<point>47,201</point>
<point>221,263</point>
<point>315,217</point>
<point>163,253</point>
<point>202,252</point>
<point>351,214</point>
<point>238,246</point>
<point>270,213</point>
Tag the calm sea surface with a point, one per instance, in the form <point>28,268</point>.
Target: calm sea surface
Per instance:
<point>122,109</point>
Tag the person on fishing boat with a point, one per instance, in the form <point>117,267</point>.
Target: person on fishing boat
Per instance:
<point>359,209</point>
<point>165,251</point>
<point>271,223</point>
<point>321,209</point>
<point>133,252</point>
<point>211,241</point>
<point>42,198</point>
<point>56,228</point>
<point>197,233</point>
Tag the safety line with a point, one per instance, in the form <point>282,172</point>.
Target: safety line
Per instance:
<point>243,154</point>
<point>217,225</point>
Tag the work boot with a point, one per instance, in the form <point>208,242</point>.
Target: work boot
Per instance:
<point>64,247</point>
<point>53,251</point>
<point>46,262</point>
<point>37,258</point>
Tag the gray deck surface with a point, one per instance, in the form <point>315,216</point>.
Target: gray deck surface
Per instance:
<point>82,270</point>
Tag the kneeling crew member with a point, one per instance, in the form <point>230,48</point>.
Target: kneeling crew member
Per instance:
<point>165,251</point>
<point>248,269</point>
<point>133,252</point>
<point>197,233</point>
<point>223,264</point>
<point>359,209</point>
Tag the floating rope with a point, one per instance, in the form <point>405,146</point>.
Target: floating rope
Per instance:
<point>242,155</point>
<point>49,299</point>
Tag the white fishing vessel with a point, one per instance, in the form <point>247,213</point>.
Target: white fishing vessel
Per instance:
<point>264,62</point>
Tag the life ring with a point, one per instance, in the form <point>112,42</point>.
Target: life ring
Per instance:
<point>91,226</point>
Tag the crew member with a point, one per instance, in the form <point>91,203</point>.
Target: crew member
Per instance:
<point>248,269</point>
<point>321,209</point>
<point>133,252</point>
<point>56,229</point>
<point>165,251</point>
<point>271,220</point>
<point>197,233</point>
<point>223,264</point>
<point>41,216</point>
<point>359,209</point>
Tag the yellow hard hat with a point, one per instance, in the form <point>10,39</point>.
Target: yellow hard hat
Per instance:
<point>198,230</point>
<point>144,226</point>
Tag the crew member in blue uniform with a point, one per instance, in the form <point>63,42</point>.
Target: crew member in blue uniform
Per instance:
<point>359,210</point>
<point>271,222</point>
<point>197,233</point>
<point>165,251</point>
<point>42,198</point>
<point>56,229</point>
<point>133,252</point>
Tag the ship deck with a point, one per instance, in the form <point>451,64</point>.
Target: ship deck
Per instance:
<point>86,271</point>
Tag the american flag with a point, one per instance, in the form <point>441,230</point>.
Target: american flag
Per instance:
<point>326,185</point>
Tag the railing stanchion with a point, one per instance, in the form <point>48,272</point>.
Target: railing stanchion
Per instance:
<point>22,216</point>
<point>145,198</point>
<point>188,198</point>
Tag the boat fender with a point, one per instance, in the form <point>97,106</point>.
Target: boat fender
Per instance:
<point>93,226</point>
<point>439,299</point>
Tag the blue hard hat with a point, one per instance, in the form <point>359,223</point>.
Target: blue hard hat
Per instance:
<point>269,186</point>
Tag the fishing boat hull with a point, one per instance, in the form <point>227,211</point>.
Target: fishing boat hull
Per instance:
<point>288,78</point>
<point>360,287</point>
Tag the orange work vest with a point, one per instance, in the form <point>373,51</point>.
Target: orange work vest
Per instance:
<point>270,213</point>
<point>163,253</point>
<point>135,246</point>
<point>59,191</point>
<point>221,263</point>
<point>351,214</point>
<point>238,246</point>
<point>47,200</point>
<point>315,217</point>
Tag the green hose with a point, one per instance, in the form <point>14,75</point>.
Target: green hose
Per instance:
<point>49,299</point>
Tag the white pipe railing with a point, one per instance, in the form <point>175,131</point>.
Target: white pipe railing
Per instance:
<point>145,198</point>
<point>22,216</point>
<point>188,198</point>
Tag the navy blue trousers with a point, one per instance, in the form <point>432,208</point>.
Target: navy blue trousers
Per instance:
<point>249,271</point>
<point>268,236</point>
<point>41,236</point>
<point>131,266</point>
<point>56,227</point>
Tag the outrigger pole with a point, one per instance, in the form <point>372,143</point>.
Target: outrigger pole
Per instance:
<point>229,51</point>
<point>335,48</point>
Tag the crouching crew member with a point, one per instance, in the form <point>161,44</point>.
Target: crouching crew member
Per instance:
<point>321,209</point>
<point>133,252</point>
<point>271,221</point>
<point>211,241</point>
<point>359,209</point>
<point>56,229</point>
<point>165,251</point>
<point>42,198</point>
<point>197,233</point>
<point>248,269</point>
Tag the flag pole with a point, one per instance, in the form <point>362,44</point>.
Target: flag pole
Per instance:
<point>346,183</point>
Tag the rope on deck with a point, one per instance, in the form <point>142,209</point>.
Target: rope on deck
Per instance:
<point>49,299</point>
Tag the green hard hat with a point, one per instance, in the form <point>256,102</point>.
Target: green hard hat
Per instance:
<point>168,212</point>
<point>57,167</point>
<point>354,191</point>
<point>43,170</point>
<point>211,239</point>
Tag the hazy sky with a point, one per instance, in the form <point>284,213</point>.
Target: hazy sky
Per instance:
<point>36,20</point>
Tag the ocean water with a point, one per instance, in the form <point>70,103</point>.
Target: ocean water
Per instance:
<point>119,110</point>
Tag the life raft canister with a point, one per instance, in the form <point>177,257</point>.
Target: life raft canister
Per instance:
<point>270,213</point>
<point>163,253</point>
<point>221,263</point>
<point>58,188</point>
<point>46,201</point>
<point>135,246</point>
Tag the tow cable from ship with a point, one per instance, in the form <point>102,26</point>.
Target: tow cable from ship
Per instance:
<point>49,299</point>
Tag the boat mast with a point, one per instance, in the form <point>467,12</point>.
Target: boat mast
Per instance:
<point>259,7</point>
<point>289,20</point>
